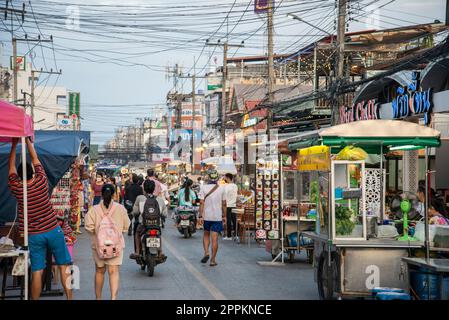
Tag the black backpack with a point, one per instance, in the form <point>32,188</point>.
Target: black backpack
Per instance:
<point>151,211</point>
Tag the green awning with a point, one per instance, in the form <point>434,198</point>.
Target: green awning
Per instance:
<point>373,143</point>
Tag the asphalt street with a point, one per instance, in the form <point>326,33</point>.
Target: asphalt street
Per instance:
<point>183,277</point>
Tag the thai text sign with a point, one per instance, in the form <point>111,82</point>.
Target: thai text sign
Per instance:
<point>314,159</point>
<point>364,110</point>
<point>412,100</point>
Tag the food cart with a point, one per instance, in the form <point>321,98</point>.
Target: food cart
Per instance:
<point>351,255</point>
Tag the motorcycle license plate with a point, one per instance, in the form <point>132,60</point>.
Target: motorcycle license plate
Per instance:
<point>185,223</point>
<point>153,242</point>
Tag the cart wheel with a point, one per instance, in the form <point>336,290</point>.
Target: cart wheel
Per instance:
<point>327,277</point>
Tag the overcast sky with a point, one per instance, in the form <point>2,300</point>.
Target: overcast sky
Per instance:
<point>140,88</point>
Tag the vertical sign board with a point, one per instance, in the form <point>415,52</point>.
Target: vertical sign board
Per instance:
<point>267,201</point>
<point>74,108</point>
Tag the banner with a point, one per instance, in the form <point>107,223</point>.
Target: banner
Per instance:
<point>74,103</point>
<point>314,159</point>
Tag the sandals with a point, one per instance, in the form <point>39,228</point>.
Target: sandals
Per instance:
<point>205,259</point>
<point>213,264</point>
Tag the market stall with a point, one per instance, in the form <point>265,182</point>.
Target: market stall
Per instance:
<point>57,151</point>
<point>355,248</point>
<point>15,123</point>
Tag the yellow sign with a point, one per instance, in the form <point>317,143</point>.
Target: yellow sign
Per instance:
<point>124,170</point>
<point>314,159</point>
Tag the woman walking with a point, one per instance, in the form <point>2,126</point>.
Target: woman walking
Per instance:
<point>96,186</point>
<point>94,219</point>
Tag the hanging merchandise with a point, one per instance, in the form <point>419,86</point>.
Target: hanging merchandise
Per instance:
<point>351,153</point>
<point>267,204</point>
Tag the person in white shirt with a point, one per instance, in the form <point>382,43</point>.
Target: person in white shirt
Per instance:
<point>231,190</point>
<point>212,211</point>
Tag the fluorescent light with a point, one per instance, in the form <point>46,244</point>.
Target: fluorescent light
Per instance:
<point>405,147</point>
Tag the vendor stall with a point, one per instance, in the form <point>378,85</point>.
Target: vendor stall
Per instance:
<point>355,248</point>
<point>15,123</point>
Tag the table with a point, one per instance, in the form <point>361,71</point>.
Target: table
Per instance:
<point>9,256</point>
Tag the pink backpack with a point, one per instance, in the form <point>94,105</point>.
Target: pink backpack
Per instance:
<point>110,241</point>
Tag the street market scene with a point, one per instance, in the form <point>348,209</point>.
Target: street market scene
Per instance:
<point>224,150</point>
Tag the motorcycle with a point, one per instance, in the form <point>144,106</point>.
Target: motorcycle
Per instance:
<point>150,247</point>
<point>186,221</point>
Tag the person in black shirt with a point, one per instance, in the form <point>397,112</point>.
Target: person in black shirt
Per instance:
<point>132,191</point>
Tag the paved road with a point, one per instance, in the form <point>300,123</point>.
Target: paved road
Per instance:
<point>182,276</point>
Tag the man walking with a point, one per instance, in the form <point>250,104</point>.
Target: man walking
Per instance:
<point>152,176</point>
<point>212,211</point>
<point>231,191</point>
<point>43,228</point>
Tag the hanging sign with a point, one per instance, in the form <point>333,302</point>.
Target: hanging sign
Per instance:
<point>364,110</point>
<point>20,63</point>
<point>315,158</point>
<point>412,100</point>
<point>261,6</point>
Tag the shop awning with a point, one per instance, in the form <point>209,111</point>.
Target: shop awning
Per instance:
<point>389,133</point>
<point>304,140</point>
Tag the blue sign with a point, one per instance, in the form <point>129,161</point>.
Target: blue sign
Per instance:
<point>412,100</point>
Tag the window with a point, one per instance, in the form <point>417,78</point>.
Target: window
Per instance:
<point>62,100</point>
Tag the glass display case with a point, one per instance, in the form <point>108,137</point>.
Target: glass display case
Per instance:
<point>348,200</point>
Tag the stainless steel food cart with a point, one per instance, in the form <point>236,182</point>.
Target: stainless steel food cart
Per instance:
<point>354,266</point>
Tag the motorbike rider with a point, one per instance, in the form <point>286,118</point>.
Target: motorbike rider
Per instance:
<point>186,195</point>
<point>148,188</point>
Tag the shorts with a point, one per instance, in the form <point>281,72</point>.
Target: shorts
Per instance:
<point>214,226</point>
<point>53,241</point>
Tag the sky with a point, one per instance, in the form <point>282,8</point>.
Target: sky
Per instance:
<point>117,55</point>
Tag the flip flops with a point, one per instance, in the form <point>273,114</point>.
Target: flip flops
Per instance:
<point>213,264</point>
<point>205,259</point>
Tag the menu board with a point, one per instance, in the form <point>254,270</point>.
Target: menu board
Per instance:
<point>267,201</point>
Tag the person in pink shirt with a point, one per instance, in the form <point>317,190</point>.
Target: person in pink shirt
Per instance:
<point>151,176</point>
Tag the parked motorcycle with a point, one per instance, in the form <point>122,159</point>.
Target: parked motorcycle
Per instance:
<point>150,248</point>
<point>186,221</point>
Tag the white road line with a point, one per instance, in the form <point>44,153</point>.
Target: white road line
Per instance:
<point>213,290</point>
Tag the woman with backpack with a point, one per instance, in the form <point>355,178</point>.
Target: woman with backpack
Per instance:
<point>107,222</point>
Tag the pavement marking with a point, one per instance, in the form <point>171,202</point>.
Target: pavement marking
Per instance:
<point>213,290</point>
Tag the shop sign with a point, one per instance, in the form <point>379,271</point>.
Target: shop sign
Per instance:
<point>412,100</point>
<point>249,122</point>
<point>20,63</point>
<point>365,110</point>
<point>314,159</point>
<point>261,6</point>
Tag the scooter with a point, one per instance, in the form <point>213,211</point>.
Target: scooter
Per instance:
<point>150,247</point>
<point>186,221</point>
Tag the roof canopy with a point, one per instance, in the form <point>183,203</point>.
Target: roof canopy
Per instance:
<point>391,133</point>
<point>14,122</point>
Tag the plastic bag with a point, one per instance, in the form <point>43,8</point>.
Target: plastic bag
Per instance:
<point>19,266</point>
<point>352,153</point>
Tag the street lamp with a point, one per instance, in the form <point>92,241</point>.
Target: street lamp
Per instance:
<point>294,16</point>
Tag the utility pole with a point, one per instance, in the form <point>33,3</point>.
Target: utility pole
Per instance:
<point>224,100</point>
<point>193,77</point>
<point>14,44</point>
<point>340,74</point>
<point>33,72</point>
<point>271,75</point>
<point>150,142</point>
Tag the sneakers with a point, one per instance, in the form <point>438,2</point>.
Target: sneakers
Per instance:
<point>226,238</point>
